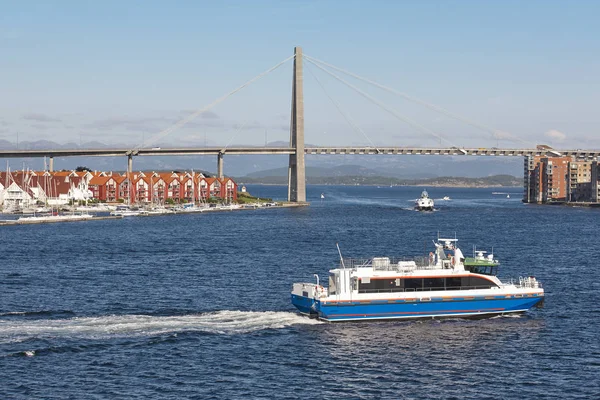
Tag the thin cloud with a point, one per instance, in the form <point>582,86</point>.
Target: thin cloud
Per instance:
<point>40,126</point>
<point>40,117</point>
<point>248,126</point>
<point>500,135</point>
<point>150,125</point>
<point>131,123</point>
<point>555,135</point>
<point>205,115</point>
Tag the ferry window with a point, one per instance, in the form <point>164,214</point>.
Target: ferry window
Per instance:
<point>332,287</point>
<point>378,284</point>
<point>433,283</point>
<point>453,283</point>
<point>413,284</point>
<point>483,269</point>
<point>473,282</point>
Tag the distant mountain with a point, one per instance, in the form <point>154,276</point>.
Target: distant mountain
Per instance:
<point>491,181</point>
<point>337,171</point>
<point>6,145</point>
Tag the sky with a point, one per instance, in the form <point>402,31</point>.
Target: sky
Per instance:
<point>121,72</point>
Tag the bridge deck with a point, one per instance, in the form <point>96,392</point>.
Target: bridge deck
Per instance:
<point>452,151</point>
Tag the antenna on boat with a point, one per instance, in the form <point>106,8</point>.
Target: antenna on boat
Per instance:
<point>340,253</point>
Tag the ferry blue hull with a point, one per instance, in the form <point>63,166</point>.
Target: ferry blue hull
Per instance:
<point>306,305</point>
<point>402,309</point>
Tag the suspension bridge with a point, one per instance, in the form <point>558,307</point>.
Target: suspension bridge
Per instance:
<point>296,149</point>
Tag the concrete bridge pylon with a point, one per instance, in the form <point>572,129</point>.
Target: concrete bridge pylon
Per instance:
<point>296,169</point>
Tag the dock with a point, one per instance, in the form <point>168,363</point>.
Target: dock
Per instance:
<point>34,222</point>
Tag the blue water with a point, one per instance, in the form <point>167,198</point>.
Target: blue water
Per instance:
<point>197,306</point>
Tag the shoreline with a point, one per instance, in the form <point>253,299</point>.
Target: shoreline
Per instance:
<point>12,222</point>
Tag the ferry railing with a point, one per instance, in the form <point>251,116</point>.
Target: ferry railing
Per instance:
<point>389,263</point>
<point>526,283</point>
<point>529,282</point>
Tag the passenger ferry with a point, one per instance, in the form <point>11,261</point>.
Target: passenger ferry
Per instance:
<point>424,203</point>
<point>444,284</point>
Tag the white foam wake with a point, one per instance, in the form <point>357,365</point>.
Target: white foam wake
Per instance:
<point>220,322</point>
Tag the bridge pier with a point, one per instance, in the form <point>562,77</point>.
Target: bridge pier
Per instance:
<point>51,164</point>
<point>129,163</point>
<point>296,169</point>
<point>220,165</point>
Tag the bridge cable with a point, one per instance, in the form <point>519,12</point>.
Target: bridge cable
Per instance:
<point>345,115</point>
<point>162,134</point>
<point>382,105</point>
<point>495,132</point>
<point>235,134</point>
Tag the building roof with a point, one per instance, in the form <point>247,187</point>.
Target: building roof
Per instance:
<point>99,180</point>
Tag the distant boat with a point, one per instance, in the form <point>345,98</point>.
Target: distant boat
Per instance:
<point>446,198</point>
<point>508,196</point>
<point>322,195</point>
<point>125,211</point>
<point>424,203</point>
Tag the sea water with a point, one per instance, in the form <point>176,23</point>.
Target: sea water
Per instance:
<point>198,305</point>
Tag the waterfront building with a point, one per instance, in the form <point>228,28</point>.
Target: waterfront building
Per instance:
<point>546,179</point>
<point>188,184</point>
<point>99,186</point>
<point>560,179</point>
<point>228,189</point>
<point>23,189</point>
<point>203,193</point>
<point>16,194</point>
<point>595,182</point>
<point>214,187</point>
<point>579,181</point>
<point>141,184</point>
<point>122,188</point>
<point>554,185</point>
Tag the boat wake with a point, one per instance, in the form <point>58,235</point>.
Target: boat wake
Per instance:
<point>119,326</point>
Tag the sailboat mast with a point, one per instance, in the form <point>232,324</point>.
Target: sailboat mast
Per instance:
<point>193,189</point>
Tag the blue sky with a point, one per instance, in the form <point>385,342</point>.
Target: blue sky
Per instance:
<point>121,71</point>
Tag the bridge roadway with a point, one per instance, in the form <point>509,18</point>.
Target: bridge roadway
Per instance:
<point>156,151</point>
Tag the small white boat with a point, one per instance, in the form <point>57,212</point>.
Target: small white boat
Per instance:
<point>508,196</point>
<point>36,210</point>
<point>123,211</point>
<point>159,211</point>
<point>424,203</point>
<point>322,196</point>
<point>446,198</point>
